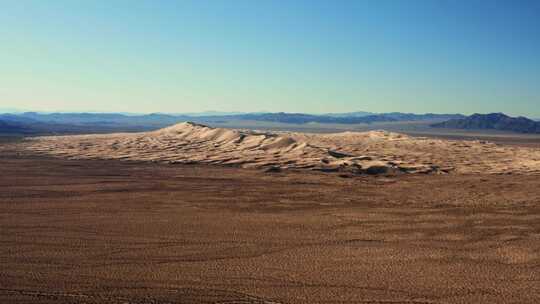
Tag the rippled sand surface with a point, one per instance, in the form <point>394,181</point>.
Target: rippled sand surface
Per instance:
<point>358,152</point>
<point>113,232</point>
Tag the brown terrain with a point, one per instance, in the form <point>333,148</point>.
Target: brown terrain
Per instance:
<point>79,226</point>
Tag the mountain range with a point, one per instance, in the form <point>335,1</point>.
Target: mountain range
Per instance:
<point>159,119</point>
<point>31,123</point>
<point>493,121</point>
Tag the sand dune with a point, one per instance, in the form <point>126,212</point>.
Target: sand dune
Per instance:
<point>371,152</point>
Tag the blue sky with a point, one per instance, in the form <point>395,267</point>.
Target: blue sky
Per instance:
<point>294,56</point>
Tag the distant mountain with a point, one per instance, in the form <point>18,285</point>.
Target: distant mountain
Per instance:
<point>16,118</point>
<point>13,124</point>
<point>353,118</point>
<point>300,118</point>
<point>351,114</point>
<point>10,127</point>
<point>154,120</point>
<point>493,121</point>
<point>418,117</point>
<point>398,116</point>
<point>209,113</point>
<point>159,120</point>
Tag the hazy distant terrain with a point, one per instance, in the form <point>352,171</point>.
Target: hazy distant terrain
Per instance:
<point>494,121</point>
<point>32,124</point>
<point>39,123</point>
<point>23,126</point>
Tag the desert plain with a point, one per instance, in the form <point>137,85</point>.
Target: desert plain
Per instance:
<point>192,214</point>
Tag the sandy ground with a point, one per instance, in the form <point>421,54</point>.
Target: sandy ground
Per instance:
<point>95,231</point>
<point>370,152</point>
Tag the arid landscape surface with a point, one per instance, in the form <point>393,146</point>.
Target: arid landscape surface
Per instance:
<point>270,152</point>
<point>109,231</point>
<point>371,152</point>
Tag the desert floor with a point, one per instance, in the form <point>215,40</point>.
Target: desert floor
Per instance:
<point>90,231</point>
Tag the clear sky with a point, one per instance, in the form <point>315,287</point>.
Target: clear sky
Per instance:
<point>293,56</point>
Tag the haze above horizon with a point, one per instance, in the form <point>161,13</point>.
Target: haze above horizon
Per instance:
<point>247,56</point>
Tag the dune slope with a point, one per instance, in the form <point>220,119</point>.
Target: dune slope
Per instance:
<point>371,152</point>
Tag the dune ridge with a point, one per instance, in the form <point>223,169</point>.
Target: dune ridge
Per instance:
<point>373,152</point>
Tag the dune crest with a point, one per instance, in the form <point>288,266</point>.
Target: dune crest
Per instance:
<point>373,152</point>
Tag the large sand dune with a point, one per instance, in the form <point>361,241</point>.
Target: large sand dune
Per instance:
<point>357,152</point>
